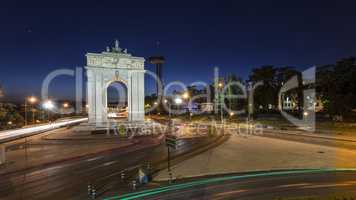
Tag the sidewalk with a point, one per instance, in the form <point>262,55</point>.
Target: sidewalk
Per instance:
<point>253,153</point>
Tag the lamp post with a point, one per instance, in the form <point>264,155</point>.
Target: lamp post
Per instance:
<point>176,101</point>
<point>187,97</point>
<point>48,105</point>
<point>221,99</point>
<point>32,100</point>
<point>65,106</point>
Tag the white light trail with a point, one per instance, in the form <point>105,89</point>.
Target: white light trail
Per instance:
<point>13,134</point>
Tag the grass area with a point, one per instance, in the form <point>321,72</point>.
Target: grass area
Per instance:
<point>344,128</point>
<point>277,121</point>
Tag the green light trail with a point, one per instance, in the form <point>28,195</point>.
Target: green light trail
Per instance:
<point>150,192</point>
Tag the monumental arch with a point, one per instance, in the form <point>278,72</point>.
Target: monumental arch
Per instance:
<point>114,65</point>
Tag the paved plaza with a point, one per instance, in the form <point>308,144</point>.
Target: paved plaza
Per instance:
<point>252,153</point>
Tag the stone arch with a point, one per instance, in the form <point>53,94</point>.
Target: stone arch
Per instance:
<point>112,66</point>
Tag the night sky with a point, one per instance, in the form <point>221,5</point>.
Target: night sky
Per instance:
<point>38,37</point>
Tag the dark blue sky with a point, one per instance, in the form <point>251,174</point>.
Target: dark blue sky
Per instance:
<point>38,37</point>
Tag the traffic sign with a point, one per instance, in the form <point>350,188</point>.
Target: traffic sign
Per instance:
<point>171,141</point>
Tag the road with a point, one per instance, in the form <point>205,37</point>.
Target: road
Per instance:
<point>69,179</point>
<point>258,186</point>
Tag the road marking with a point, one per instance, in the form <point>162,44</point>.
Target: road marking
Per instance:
<point>230,193</point>
<point>326,185</point>
<point>293,185</point>
<point>109,163</point>
<point>92,159</point>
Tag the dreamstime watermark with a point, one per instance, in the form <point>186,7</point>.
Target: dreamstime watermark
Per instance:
<point>176,104</point>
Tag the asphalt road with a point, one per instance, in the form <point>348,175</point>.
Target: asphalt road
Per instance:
<point>258,186</point>
<point>69,180</point>
<point>66,180</point>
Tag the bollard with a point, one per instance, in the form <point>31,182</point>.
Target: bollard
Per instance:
<point>134,185</point>
<point>89,189</point>
<point>93,193</point>
<point>2,154</point>
<point>122,176</point>
<point>170,177</point>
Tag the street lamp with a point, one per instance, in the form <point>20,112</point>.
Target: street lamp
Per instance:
<point>185,95</point>
<point>221,100</point>
<point>64,111</point>
<point>48,105</point>
<point>178,100</point>
<point>32,100</point>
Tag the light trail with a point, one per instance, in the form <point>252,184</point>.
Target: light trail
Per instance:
<point>150,192</point>
<point>8,135</point>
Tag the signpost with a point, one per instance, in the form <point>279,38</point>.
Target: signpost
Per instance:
<point>171,142</point>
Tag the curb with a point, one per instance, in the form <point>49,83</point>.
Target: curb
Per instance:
<point>296,133</point>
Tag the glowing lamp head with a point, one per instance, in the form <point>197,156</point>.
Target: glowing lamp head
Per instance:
<point>178,100</point>
<point>48,105</point>
<point>32,99</point>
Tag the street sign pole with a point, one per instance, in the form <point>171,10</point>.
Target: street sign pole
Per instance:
<point>169,159</point>
<point>171,142</point>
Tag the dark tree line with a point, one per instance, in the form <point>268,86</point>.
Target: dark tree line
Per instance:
<point>336,86</point>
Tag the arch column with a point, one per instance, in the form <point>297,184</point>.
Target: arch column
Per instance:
<point>136,95</point>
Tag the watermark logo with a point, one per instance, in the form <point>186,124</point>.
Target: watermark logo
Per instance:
<point>177,104</point>
<point>307,104</point>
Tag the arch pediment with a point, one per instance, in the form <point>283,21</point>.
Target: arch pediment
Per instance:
<point>114,60</point>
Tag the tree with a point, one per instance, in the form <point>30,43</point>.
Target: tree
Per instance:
<point>336,86</point>
<point>268,92</point>
<point>234,89</point>
<point>10,117</point>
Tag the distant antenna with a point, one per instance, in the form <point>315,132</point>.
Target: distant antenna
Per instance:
<point>157,60</point>
<point>1,92</point>
<point>117,44</point>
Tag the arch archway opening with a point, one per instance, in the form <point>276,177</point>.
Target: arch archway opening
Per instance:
<point>117,101</point>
